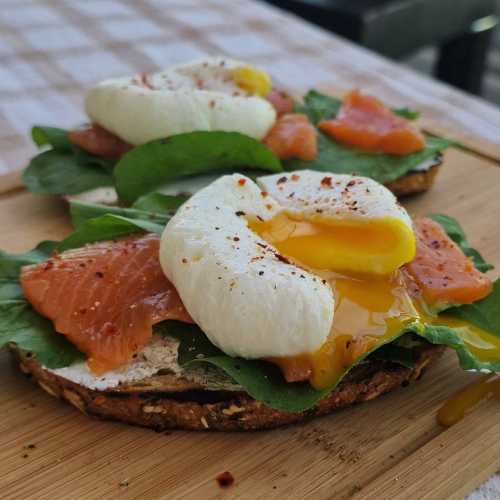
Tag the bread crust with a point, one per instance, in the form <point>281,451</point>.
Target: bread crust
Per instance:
<point>414,182</point>
<point>204,410</point>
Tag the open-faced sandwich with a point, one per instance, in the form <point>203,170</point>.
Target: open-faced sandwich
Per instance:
<point>177,130</point>
<point>257,304</point>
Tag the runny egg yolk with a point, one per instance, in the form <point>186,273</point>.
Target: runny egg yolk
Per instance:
<point>379,246</point>
<point>370,308</point>
<point>252,80</point>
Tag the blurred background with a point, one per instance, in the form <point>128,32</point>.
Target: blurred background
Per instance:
<point>454,40</point>
<point>52,51</point>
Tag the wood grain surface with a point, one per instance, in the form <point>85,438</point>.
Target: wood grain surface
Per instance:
<point>391,447</point>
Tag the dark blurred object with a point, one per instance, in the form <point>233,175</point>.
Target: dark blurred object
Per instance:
<point>461,29</point>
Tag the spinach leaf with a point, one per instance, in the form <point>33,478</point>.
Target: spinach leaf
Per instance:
<point>456,233</point>
<point>65,172</point>
<point>262,380</point>
<point>107,227</point>
<point>81,212</point>
<point>318,106</point>
<point>64,169</point>
<point>55,137</point>
<point>160,203</point>
<point>161,161</point>
<point>484,314</point>
<point>407,113</point>
<point>342,159</point>
<point>21,325</point>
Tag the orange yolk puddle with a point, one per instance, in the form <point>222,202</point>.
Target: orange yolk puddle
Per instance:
<point>370,309</point>
<point>468,398</point>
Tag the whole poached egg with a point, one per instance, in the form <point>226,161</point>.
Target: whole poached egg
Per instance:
<point>297,266</point>
<point>210,94</point>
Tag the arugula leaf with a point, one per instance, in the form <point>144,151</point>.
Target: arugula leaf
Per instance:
<point>55,137</point>
<point>81,212</point>
<point>342,159</point>
<point>61,171</point>
<point>161,161</point>
<point>456,233</point>
<point>262,380</point>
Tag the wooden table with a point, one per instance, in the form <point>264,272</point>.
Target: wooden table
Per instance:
<point>391,447</point>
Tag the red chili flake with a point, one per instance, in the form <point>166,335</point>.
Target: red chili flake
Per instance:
<point>323,281</point>
<point>239,213</point>
<point>281,180</point>
<point>262,245</point>
<point>225,479</point>
<point>82,310</point>
<point>295,177</point>
<point>236,238</point>
<point>281,258</point>
<point>319,211</point>
<point>82,264</point>
<point>242,182</point>
<point>211,104</point>
<point>184,260</point>
<point>260,218</point>
<point>351,183</point>
<point>48,265</point>
<point>326,182</point>
<point>99,274</point>
<point>264,194</point>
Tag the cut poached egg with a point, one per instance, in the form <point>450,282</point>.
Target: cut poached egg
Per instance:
<point>303,271</point>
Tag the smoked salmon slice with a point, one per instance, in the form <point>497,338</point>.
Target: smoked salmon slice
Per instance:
<point>363,121</point>
<point>281,101</point>
<point>98,141</point>
<point>292,136</point>
<point>105,297</point>
<point>442,272</point>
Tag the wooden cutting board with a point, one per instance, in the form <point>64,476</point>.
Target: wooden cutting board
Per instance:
<point>391,447</point>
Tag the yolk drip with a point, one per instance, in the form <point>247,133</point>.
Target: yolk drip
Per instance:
<point>465,400</point>
<point>375,247</point>
<point>368,313</point>
<point>369,309</point>
<point>252,80</point>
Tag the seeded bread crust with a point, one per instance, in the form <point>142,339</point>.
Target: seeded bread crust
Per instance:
<point>193,408</point>
<point>414,182</point>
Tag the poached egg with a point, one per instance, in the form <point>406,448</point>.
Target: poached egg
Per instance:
<point>298,267</point>
<point>211,94</point>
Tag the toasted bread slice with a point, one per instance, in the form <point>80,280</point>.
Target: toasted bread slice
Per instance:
<point>167,401</point>
<point>414,182</point>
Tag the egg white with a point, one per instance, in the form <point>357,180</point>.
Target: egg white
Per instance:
<point>201,95</point>
<point>243,295</point>
<point>323,196</point>
<point>248,301</point>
